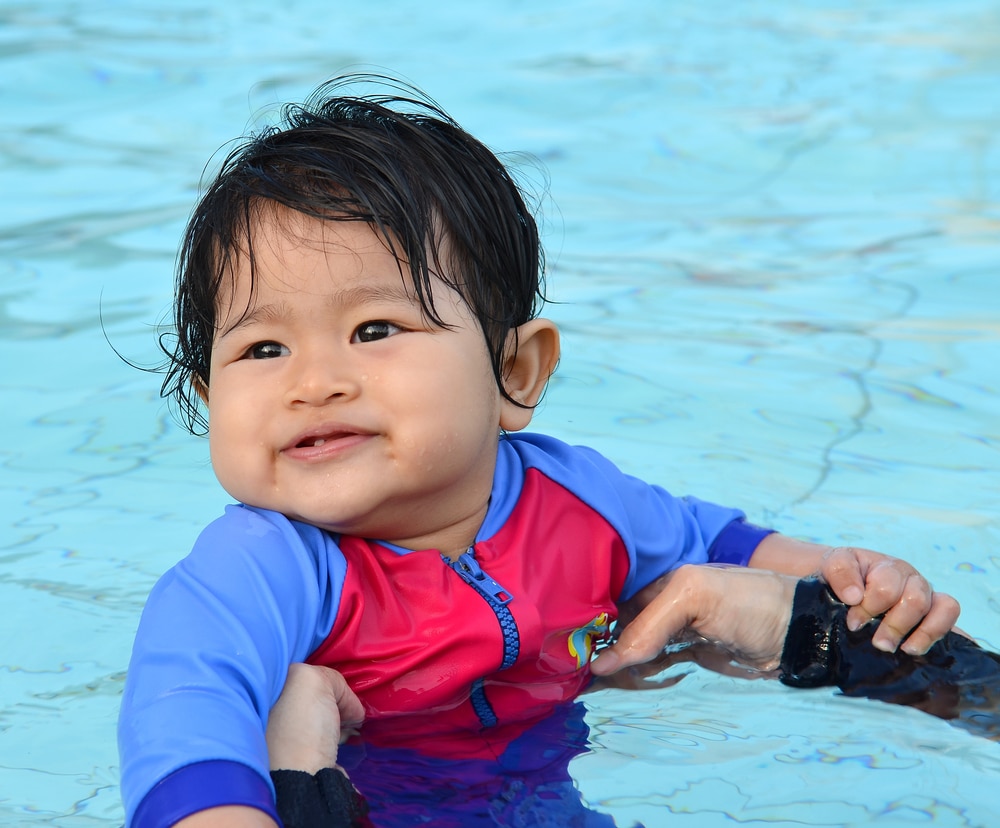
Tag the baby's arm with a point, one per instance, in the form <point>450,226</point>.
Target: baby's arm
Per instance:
<point>230,816</point>
<point>871,584</point>
<point>210,659</point>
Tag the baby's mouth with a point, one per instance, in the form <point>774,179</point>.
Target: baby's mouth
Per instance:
<point>333,440</point>
<point>313,442</point>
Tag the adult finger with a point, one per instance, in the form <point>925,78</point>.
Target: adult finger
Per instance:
<point>939,620</point>
<point>841,569</point>
<point>890,585</point>
<point>352,712</point>
<point>651,630</point>
<point>914,602</point>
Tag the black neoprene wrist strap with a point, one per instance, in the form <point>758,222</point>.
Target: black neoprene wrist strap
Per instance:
<point>813,636</point>
<point>322,800</point>
<point>955,678</point>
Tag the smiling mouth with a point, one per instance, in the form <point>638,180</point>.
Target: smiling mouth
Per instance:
<point>317,440</point>
<point>317,445</point>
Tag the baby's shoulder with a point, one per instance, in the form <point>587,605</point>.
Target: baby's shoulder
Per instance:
<point>246,535</point>
<point>574,466</point>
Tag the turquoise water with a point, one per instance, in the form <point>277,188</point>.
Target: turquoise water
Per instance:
<point>774,234</point>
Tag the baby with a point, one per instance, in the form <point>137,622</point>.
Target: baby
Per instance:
<point>357,310</point>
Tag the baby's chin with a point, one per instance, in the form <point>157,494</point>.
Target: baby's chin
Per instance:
<point>380,521</point>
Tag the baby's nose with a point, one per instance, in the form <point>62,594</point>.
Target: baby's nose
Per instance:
<point>322,378</point>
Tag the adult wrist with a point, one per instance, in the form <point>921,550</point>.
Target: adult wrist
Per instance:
<point>325,799</point>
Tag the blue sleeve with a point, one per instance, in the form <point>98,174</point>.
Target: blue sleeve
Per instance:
<point>737,542</point>
<point>210,658</point>
<point>661,532</point>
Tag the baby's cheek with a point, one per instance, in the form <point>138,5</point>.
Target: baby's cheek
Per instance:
<point>237,471</point>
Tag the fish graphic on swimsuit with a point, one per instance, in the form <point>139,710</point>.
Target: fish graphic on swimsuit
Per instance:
<point>581,641</point>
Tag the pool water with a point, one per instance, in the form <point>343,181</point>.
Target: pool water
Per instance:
<point>773,233</point>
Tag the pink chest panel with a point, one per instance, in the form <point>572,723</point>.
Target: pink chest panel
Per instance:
<point>411,636</point>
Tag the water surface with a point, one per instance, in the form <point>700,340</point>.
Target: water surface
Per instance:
<point>773,240</point>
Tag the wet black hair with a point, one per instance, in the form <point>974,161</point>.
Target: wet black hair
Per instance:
<point>441,201</point>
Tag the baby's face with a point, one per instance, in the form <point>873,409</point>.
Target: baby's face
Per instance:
<point>334,401</point>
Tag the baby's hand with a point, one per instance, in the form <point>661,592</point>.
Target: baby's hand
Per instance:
<point>873,584</point>
<point>744,610</point>
<point>306,723</point>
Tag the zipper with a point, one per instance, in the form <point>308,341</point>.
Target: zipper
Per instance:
<point>472,573</point>
<point>468,569</point>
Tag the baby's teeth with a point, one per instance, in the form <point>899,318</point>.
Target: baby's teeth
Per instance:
<point>319,442</point>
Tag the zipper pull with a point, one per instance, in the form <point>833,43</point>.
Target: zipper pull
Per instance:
<point>471,572</point>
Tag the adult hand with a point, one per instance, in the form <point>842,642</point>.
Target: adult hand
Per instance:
<point>315,708</point>
<point>746,611</point>
<point>873,584</point>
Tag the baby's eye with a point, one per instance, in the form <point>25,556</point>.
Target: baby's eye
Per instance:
<point>371,331</point>
<point>267,350</point>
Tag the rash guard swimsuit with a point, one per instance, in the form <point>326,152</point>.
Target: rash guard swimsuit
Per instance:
<point>484,645</point>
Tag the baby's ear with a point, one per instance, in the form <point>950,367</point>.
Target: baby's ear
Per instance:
<point>533,351</point>
<point>200,388</point>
